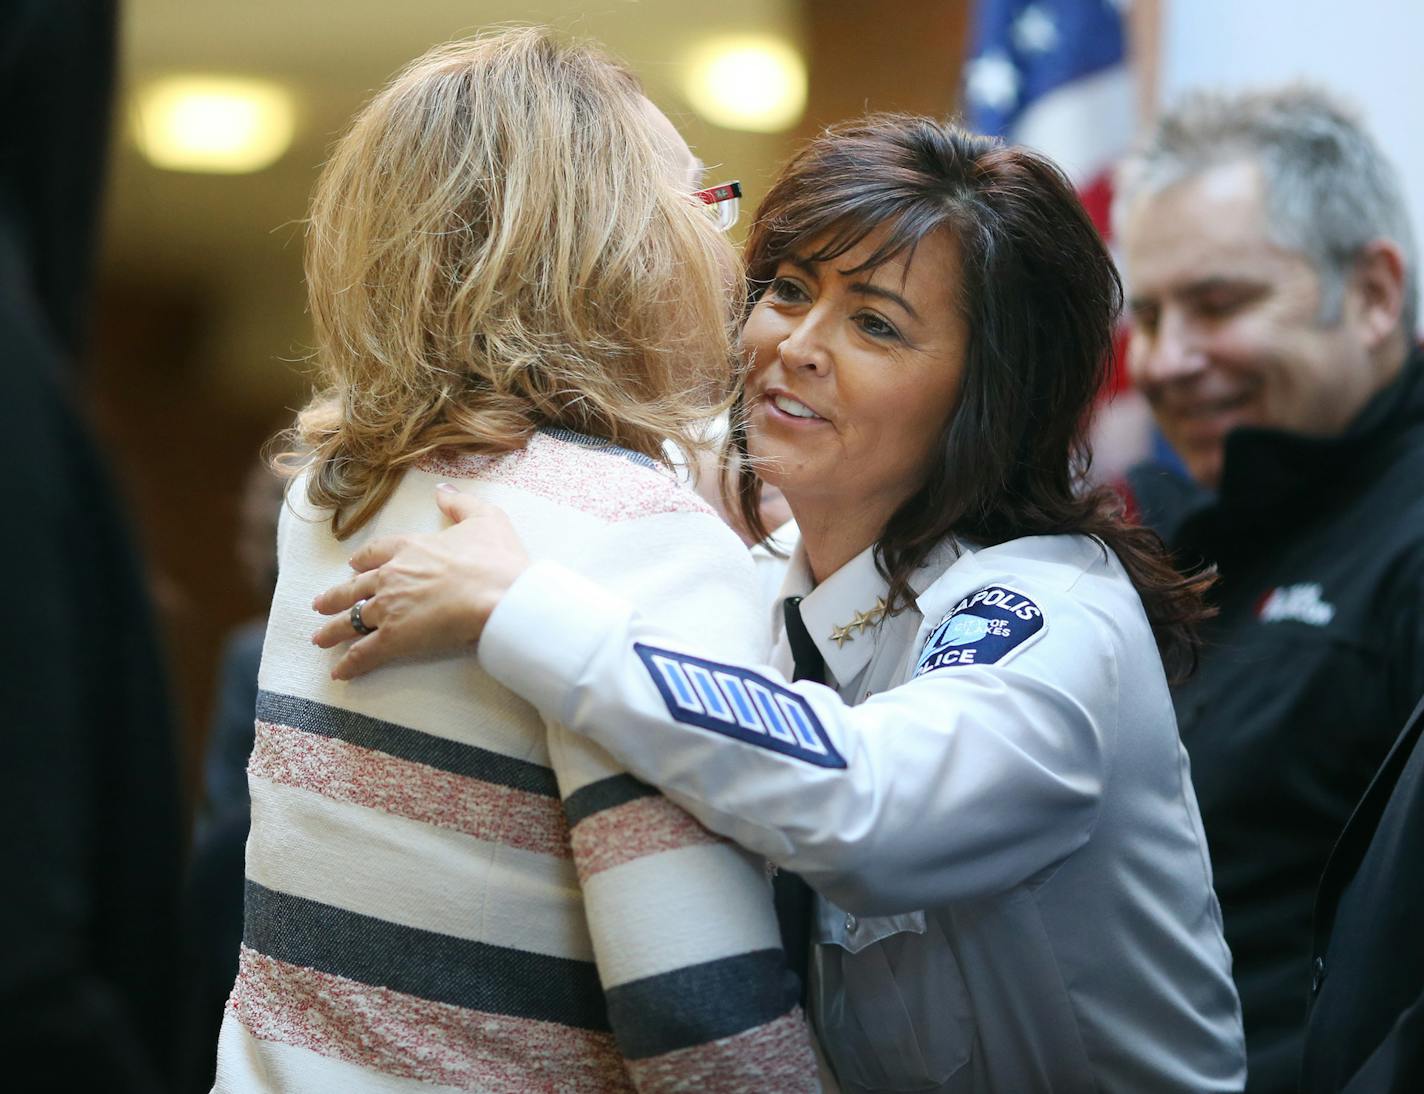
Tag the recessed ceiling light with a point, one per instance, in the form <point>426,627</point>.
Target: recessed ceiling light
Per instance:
<point>752,83</point>
<point>226,125</point>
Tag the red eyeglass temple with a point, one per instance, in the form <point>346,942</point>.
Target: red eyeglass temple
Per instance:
<point>724,192</point>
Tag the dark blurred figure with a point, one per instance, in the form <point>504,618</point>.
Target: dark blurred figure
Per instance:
<point>89,811</point>
<point>1272,276</point>
<point>212,905</point>
<point>1366,1033</point>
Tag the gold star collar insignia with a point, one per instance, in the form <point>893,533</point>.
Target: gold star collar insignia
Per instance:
<point>841,635</point>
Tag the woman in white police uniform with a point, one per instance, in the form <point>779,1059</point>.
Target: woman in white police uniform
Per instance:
<point>987,793</point>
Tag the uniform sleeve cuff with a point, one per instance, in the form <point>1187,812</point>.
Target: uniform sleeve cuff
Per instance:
<point>543,633</point>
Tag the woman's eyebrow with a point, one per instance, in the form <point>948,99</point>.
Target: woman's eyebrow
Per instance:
<point>865,288</point>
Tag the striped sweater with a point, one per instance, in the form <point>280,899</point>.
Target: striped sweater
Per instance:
<point>446,893</point>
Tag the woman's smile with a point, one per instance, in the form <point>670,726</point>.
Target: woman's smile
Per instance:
<point>782,404</point>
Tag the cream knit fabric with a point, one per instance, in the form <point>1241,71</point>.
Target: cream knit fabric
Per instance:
<point>444,892</point>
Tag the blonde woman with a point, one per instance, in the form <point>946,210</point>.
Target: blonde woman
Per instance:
<point>513,291</point>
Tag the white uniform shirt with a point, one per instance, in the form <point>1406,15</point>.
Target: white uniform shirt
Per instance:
<point>992,802</point>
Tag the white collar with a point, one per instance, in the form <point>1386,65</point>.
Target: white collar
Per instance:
<point>942,556</point>
<point>841,612</point>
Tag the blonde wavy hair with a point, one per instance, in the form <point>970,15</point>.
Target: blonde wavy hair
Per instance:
<point>502,242</point>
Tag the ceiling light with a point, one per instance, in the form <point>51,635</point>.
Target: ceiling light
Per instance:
<point>216,124</point>
<point>752,83</point>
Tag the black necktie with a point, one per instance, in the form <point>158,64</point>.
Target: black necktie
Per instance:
<point>794,905</point>
<point>806,660</point>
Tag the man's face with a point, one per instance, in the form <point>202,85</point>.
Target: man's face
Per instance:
<point>1226,327</point>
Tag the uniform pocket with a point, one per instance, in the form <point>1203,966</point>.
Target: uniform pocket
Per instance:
<point>891,1010</point>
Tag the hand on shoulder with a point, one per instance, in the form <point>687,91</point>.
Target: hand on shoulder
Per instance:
<point>421,594</point>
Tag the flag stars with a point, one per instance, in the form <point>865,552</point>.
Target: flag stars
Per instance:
<point>992,81</point>
<point>1035,30</point>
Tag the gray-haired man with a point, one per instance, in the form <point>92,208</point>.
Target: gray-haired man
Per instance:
<point>1271,272</point>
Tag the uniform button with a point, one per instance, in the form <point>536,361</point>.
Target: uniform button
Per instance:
<point>850,922</point>
<point>1317,975</point>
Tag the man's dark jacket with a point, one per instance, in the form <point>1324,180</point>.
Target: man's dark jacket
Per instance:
<point>1308,674</point>
<point>1366,1031</point>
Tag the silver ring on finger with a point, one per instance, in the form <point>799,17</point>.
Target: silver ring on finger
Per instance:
<point>357,624</point>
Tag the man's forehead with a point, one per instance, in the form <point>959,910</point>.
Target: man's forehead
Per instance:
<point>1234,180</point>
<point>1212,225</point>
<point>1225,201</point>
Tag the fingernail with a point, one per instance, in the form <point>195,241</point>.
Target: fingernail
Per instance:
<point>447,488</point>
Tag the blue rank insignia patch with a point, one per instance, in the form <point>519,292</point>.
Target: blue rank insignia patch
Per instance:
<point>737,703</point>
<point>982,629</point>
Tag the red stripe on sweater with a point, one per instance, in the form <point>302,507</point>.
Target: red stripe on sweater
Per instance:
<point>644,826</point>
<point>413,1038</point>
<point>600,483</point>
<point>776,1056</point>
<point>361,776</point>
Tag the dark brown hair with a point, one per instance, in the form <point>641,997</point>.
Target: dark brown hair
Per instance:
<point>1040,297</point>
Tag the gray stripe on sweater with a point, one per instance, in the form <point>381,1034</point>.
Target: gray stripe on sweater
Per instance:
<point>438,967</point>
<point>605,794</point>
<point>407,744</point>
<point>602,444</point>
<point>701,1003</point>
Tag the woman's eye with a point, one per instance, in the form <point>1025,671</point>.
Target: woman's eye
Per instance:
<point>784,289</point>
<point>876,326</point>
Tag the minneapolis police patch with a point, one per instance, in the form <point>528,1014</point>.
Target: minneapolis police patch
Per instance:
<point>738,703</point>
<point>982,629</point>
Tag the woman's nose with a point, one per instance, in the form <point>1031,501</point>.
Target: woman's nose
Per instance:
<point>805,348</point>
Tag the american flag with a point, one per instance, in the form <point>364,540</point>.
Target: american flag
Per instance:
<point>1053,75</point>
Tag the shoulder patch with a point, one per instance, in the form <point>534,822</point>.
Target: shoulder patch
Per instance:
<point>738,703</point>
<point>982,629</point>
